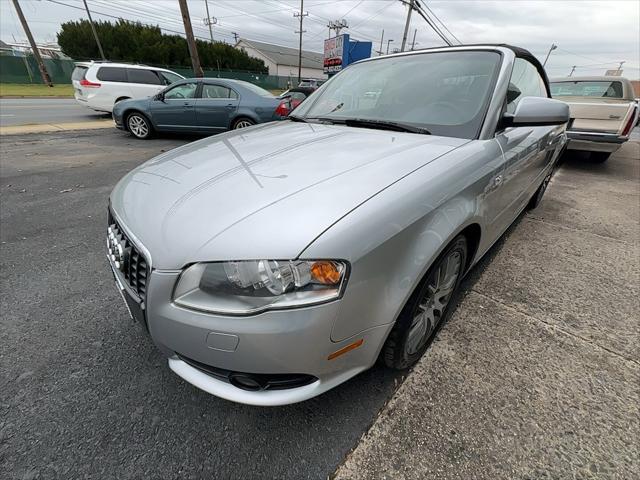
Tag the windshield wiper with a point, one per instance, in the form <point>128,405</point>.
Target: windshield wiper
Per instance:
<point>384,125</point>
<point>295,118</point>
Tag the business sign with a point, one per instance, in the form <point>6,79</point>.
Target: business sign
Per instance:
<point>334,53</point>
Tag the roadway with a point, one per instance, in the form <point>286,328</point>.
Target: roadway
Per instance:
<point>28,111</point>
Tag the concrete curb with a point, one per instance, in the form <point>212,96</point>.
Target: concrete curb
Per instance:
<point>55,127</point>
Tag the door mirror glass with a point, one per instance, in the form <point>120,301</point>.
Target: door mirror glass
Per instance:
<point>537,111</point>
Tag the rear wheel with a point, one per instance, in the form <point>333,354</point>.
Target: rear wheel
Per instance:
<point>242,122</point>
<point>600,157</point>
<point>426,309</point>
<point>537,197</point>
<point>139,126</point>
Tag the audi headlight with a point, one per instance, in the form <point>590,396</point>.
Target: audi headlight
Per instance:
<point>249,287</point>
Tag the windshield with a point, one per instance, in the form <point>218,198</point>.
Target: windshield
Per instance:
<point>446,93</point>
<point>602,89</point>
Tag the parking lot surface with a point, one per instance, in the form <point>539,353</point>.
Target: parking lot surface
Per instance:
<point>534,376</point>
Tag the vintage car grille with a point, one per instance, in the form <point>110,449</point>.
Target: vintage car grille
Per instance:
<point>131,263</point>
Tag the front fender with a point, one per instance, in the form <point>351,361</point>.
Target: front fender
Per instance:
<point>393,238</point>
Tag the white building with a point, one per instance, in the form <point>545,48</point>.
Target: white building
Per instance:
<point>283,61</point>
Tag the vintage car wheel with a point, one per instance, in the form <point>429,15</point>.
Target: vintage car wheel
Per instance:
<point>139,126</point>
<point>427,308</point>
<point>600,157</point>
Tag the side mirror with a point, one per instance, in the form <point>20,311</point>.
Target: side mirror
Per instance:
<point>159,96</point>
<point>537,111</point>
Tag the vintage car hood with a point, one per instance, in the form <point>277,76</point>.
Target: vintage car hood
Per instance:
<point>263,192</point>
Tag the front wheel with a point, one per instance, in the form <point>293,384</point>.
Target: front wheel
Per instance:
<point>426,309</point>
<point>139,126</point>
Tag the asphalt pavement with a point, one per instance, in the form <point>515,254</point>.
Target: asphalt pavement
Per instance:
<point>28,111</point>
<point>535,376</point>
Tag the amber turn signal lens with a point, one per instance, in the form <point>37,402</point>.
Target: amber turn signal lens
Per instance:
<point>348,348</point>
<point>325,272</point>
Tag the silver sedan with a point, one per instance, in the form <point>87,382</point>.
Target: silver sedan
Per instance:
<point>273,263</point>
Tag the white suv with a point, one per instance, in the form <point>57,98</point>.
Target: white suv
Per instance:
<point>100,85</point>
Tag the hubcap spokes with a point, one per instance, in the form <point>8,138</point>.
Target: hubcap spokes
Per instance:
<point>243,124</point>
<point>440,286</point>
<point>138,126</point>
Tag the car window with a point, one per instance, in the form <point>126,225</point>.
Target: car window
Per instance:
<point>168,77</point>
<point>217,91</point>
<point>297,95</point>
<point>78,73</point>
<point>600,89</point>
<point>112,74</point>
<point>446,93</point>
<point>256,89</point>
<point>138,75</point>
<point>184,90</point>
<point>527,82</point>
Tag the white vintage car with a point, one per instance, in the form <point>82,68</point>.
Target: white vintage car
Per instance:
<point>603,112</point>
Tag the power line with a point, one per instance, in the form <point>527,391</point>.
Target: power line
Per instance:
<point>442,23</point>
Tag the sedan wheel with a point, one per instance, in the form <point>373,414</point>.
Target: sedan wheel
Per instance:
<point>426,309</point>
<point>243,123</point>
<point>139,126</point>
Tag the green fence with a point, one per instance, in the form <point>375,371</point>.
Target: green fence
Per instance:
<point>25,70</point>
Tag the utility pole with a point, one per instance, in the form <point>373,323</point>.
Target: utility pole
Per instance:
<point>337,25</point>
<point>235,36</point>
<point>573,69</point>
<point>620,66</point>
<point>210,21</point>
<point>46,79</point>
<point>93,29</point>
<point>413,42</point>
<point>553,47</point>
<point>406,26</point>
<point>381,42</point>
<point>388,42</point>
<point>191,41</point>
<point>300,15</point>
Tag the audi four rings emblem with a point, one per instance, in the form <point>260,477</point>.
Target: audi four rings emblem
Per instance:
<point>118,252</point>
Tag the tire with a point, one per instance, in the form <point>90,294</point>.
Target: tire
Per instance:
<point>242,122</point>
<point>600,157</point>
<point>537,197</point>
<point>139,126</point>
<point>414,329</point>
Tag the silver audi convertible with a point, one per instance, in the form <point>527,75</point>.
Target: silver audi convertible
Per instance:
<point>273,263</point>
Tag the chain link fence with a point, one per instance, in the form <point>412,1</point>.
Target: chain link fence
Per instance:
<point>25,70</point>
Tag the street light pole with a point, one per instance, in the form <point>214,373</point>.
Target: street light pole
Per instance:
<point>388,42</point>
<point>553,47</point>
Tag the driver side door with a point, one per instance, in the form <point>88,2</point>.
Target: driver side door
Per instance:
<point>176,111</point>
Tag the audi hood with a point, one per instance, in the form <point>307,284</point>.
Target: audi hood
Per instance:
<point>263,192</point>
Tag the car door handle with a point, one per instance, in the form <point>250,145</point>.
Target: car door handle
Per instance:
<point>230,106</point>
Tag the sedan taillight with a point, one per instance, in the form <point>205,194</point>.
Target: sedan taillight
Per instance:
<point>282,110</point>
<point>630,123</point>
<point>86,83</point>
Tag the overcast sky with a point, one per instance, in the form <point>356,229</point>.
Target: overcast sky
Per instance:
<point>594,36</point>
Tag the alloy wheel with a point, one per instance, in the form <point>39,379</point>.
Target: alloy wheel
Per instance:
<point>440,287</point>
<point>138,126</point>
<point>243,124</point>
